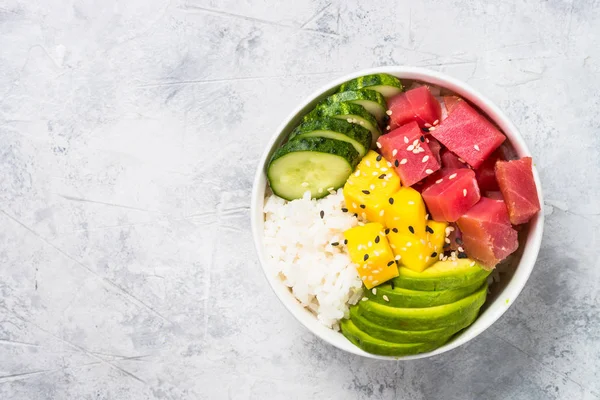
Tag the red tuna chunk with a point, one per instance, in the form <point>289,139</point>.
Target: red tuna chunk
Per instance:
<point>407,149</point>
<point>452,195</point>
<point>487,234</point>
<point>468,134</point>
<point>417,105</point>
<point>450,102</point>
<point>435,147</point>
<point>450,160</point>
<point>515,179</point>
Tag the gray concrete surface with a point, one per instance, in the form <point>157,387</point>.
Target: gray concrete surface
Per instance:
<point>129,134</point>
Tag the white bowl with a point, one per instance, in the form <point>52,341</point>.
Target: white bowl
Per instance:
<point>502,295</point>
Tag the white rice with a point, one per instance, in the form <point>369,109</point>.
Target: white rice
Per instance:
<point>298,243</point>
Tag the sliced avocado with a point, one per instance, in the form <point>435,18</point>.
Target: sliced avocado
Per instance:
<point>407,298</point>
<point>407,336</point>
<point>422,318</point>
<point>442,275</point>
<point>377,346</point>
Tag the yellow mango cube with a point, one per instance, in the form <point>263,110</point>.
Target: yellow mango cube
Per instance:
<point>370,250</point>
<point>413,251</point>
<point>369,188</point>
<point>406,212</point>
<point>436,233</point>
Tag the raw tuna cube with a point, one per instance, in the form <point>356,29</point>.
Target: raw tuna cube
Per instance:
<point>406,148</point>
<point>515,179</point>
<point>435,147</point>
<point>450,160</point>
<point>414,105</point>
<point>450,102</point>
<point>494,195</point>
<point>452,195</point>
<point>487,234</point>
<point>468,134</point>
<point>486,174</point>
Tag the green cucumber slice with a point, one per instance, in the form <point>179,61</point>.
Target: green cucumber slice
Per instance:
<point>349,112</point>
<point>385,84</point>
<point>408,336</point>
<point>407,298</point>
<point>372,101</point>
<point>442,275</point>
<point>419,319</point>
<point>377,346</point>
<point>311,164</point>
<point>338,129</point>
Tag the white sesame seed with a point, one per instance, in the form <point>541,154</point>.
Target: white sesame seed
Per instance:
<point>461,249</point>
<point>388,127</point>
<point>425,158</point>
<point>354,205</point>
<point>372,187</point>
<point>386,298</point>
<point>410,148</point>
<point>476,147</point>
<point>426,140</point>
<point>397,258</point>
<point>330,188</point>
<point>432,129</point>
<point>403,161</point>
<point>427,259</point>
<point>410,203</point>
<point>461,160</point>
<point>447,240</point>
<point>364,215</point>
<point>389,164</point>
<point>452,176</point>
<point>364,278</point>
<point>405,139</point>
<point>439,181</point>
<point>349,120</point>
<point>370,244</point>
<point>364,298</point>
<point>393,246</point>
<point>376,253</point>
<point>403,249</point>
<point>304,184</point>
<point>394,152</point>
<point>361,223</point>
<point>389,112</point>
<point>441,256</point>
<point>357,173</point>
<point>374,173</point>
<point>437,121</point>
<point>408,244</point>
<point>378,145</point>
<point>464,192</point>
<point>416,143</point>
<point>374,291</point>
<point>426,217</point>
<point>472,264</point>
<point>381,213</point>
<point>383,169</point>
<point>368,163</point>
<point>377,165</point>
<point>428,171</point>
<point>375,282</point>
<point>427,125</point>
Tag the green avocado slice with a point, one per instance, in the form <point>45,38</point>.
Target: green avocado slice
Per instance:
<point>381,347</point>
<point>422,318</point>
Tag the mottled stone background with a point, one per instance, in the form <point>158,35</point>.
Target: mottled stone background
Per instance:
<point>129,134</point>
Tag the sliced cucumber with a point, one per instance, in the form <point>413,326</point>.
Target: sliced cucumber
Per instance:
<point>347,111</point>
<point>338,129</point>
<point>312,164</point>
<point>385,84</point>
<point>372,101</point>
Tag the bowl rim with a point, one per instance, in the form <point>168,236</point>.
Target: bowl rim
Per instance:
<point>495,309</point>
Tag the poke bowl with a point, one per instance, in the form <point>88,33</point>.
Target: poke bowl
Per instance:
<point>396,213</point>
